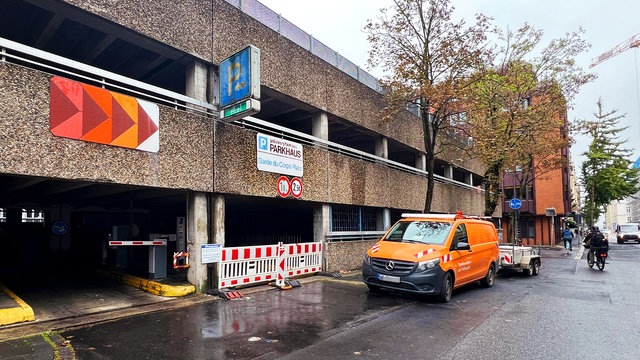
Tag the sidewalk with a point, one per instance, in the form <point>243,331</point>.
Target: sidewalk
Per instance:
<point>13,309</point>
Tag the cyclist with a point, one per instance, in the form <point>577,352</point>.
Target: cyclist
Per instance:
<point>567,236</point>
<point>597,242</point>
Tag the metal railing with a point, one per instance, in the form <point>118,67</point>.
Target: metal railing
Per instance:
<point>337,236</point>
<point>282,26</point>
<point>286,133</point>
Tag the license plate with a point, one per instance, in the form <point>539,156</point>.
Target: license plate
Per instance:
<point>387,278</point>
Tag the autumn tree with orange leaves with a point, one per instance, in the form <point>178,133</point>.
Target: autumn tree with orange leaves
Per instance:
<point>517,108</point>
<point>429,59</point>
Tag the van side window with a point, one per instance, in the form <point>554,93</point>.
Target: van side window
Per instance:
<point>459,235</point>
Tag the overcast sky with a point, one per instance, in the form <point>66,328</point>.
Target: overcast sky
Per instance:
<point>339,23</point>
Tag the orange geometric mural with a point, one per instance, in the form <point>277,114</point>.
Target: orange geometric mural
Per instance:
<point>84,112</point>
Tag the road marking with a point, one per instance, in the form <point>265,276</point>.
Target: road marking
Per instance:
<point>579,254</point>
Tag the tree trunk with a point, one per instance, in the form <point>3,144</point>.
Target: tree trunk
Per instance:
<point>429,198</point>
<point>493,188</point>
<point>429,135</point>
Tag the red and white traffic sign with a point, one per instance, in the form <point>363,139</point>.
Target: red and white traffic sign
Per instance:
<point>283,186</point>
<point>296,187</point>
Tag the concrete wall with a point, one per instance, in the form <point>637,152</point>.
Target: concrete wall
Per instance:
<point>185,158</point>
<point>285,66</point>
<point>29,148</point>
<point>332,178</point>
<point>345,256</point>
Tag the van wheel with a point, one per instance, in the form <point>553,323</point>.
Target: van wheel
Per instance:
<point>487,280</point>
<point>446,289</point>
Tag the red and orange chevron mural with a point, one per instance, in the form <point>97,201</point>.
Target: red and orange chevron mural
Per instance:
<point>88,113</point>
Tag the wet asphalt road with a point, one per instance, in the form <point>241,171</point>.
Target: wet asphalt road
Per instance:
<point>569,311</point>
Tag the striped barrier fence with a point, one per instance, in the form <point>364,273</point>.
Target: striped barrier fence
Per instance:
<point>257,264</point>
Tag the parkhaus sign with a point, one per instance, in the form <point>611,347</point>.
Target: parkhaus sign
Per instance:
<point>279,155</point>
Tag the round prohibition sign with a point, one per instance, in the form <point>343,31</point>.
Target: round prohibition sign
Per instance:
<point>296,187</point>
<point>283,186</point>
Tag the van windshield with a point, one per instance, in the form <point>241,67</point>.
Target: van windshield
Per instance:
<point>427,232</point>
<point>628,228</point>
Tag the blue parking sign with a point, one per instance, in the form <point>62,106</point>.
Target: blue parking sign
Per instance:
<point>240,77</point>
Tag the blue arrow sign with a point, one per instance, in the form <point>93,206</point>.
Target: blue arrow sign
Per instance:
<point>515,203</point>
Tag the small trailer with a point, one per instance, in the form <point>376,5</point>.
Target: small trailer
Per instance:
<point>523,258</point>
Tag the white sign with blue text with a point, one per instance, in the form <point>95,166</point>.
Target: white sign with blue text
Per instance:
<point>279,155</point>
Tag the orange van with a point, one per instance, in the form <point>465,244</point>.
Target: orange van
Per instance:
<point>431,254</point>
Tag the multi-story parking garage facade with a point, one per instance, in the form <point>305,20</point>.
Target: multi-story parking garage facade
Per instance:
<point>70,69</point>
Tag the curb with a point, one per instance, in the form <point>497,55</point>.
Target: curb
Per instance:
<point>150,286</point>
<point>18,314</point>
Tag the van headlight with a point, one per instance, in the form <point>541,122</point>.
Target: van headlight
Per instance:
<point>430,264</point>
<point>367,260</point>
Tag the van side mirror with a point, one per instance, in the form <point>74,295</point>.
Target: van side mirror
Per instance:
<point>463,246</point>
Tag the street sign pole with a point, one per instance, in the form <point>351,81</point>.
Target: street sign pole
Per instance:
<point>515,204</point>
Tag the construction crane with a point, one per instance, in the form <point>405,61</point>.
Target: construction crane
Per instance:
<point>634,42</point>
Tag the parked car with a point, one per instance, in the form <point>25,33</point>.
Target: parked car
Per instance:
<point>628,232</point>
<point>431,254</point>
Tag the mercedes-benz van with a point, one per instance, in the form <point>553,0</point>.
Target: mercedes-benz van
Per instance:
<point>431,254</point>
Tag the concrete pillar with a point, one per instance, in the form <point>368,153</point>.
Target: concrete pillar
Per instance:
<point>218,231</point>
<point>320,125</point>
<point>321,223</point>
<point>196,81</point>
<point>197,235</point>
<point>448,172</point>
<point>196,78</point>
<point>421,162</point>
<point>384,220</point>
<point>63,242</point>
<point>382,147</point>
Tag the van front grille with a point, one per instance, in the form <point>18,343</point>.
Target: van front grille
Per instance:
<point>399,268</point>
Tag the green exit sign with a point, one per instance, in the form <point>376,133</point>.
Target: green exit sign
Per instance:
<point>240,110</point>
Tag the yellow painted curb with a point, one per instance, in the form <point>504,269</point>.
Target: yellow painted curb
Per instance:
<point>21,313</point>
<point>153,287</point>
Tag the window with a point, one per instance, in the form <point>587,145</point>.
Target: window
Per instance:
<point>353,218</point>
<point>527,228</point>
<point>427,232</point>
<point>459,235</point>
<point>3,215</point>
<point>32,216</point>
<point>511,192</point>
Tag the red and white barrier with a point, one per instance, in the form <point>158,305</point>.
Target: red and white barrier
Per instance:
<point>181,255</point>
<point>303,258</point>
<point>138,243</point>
<point>256,264</point>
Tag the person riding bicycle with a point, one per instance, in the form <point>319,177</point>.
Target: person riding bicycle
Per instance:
<point>567,237</point>
<point>598,244</point>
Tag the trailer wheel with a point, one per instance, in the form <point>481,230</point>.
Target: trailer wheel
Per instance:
<point>536,267</point>
<point>529,269</point>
